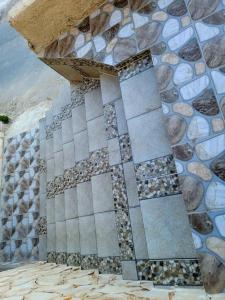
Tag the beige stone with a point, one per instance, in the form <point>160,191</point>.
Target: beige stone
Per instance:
<point>216,245</point>
<point>200,170</point>
<point>185,21</point>
<point>108,8</point>
<point>111,45</point>
<point>217,124</point>
<point>183,109</point>
<point>200,68</point>
<point>160,16</point>
<point>170,58</point>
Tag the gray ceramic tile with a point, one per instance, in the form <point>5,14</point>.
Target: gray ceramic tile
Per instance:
<point>106,233</point>
<point>68,155</point>
<point>57,140</point>
<point>93,104</point>
<point>73,236</point>
<point>51,237</point>
<point>49,148</point>
<point>61,242</point>
<point>51,210</point>
<point>129,270</point>
<point>42,247</point>
<point>84,196</point>
<point>102,193</point>
<point>110,88</point>
<point>59,165</point>
<point>59,208</point>
<point>49,117</point>
<point>167,228</point>
<point>71,203</point>
<point>43,149</point>
<point>43,182</point>
<point>140,94</point>
<point>140,245</point>
<point>148,136</point>
<point>79,118</point>
<point>81,145</point>
<point>43,205</point>
<point>50,169</point>
<point>67,131</point>
<point>131,184</point>
<point>42,133</point>
<point>120,117</point>
<point>87,235</point>
<point>114,151</point>
<point>97,134</point>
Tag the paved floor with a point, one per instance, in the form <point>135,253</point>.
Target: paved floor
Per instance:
<point>44,281</point>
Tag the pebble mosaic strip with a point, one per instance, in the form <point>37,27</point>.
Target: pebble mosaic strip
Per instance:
<point>125,148</point>
<point>110,121</point>
<point>42,226</point>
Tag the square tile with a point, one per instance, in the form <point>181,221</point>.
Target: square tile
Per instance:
<point>102,193</point>
<point>59,208</point>
<point>43,149</point>
<point>42,133</point>
<point>68,155</point>
<point>131,184</point>
<point>110,88</point>
<point>79,118</point>
<point>167,229</point>
<point>84,196</point>
<point>148,137</point>
<point>106,233</point>
<point>140,94</point>
<point>50,169</point>
<point>43,205</point>
<point>59,165</point>
<point>67,131</point>
<point>81,145</point>
<point>93,104</point>
<point>96,134</point>
<point>139,239</point>
<point>51,237</point>
<point>71,210</point>
<point>73,236</point>
<point>43,247</point>
<point>120,117</point>
<point>114,152</point>
<point>61,243</point>
<point>43,183</point>
<point>49,148</point>
<point>129,270</point>
<point>57,140</point>
<point>51,210</point>
<point>87,235</point>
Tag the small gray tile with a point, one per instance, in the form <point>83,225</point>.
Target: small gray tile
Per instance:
<point>114,152</point>
<point>131,183</point>
<point>87,235</point>
<point>84,196</point>
<point>59,166</point>
<point>140,94</point>
<point>43,205</point>
<point>43,149</point>
<point>51,210</point>
<point>81,145</point>
<point>73,236</point>
<point>79,118</point>
<point>51,237</point>
<point>102,193</point>
<point>57,140</point>
<point>97,134</point>
<point>42,247</point>
<point>167,229</point>
<point>93,104</point>
<point>129,270</point>
<point>106,233</point>
<point>120,117</point>
<point>148,137</point>
<point>68,155</point>
<point>50,169</point>
<point>42,133</point>
<point>49,117</point>
<point>71,210</point>
<point>59,208</point>
<point>110,88</point>
<point>49,148</point>
<point>43,183</point>
<point>138,231</point>
<point>61,243</point>
<point>67,131</point>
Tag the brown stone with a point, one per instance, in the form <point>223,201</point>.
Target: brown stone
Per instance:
<point>177,8</point>
<point>120,3</point>
<point>190,51</point>
<point>158,49</point>
<point>124,49</point>
<point>148,34</point>
<point>202,8</point>
<point>183,152</point>
<point>84,26</point>
<point>217,18</point>
<point>222,106</point>
<point>60,48</point>
<point>176,127</point>
<point>201,222</point>
<point>164,75</point>
<point>148,8</point>
<point>111,33</point>
<point>99,23</point>
<point>193,191</point>
<point>214,52</point>
<point>138,4</point>
<point>218,167</point>
<point>206,103</point>
<point>213,273</point>
<point>169,96</point>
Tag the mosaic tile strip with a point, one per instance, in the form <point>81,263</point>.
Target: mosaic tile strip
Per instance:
<point>73,259</point>
<point>89,262</point>
<point>170,272</point>
<point>51,257</point>
<point>119,187</point>
<point>42,226</point>
<point>42,166</point>
<point>110,121</point>
<point>125,148</point>
<point>110,265</point>
<point>61,258</point>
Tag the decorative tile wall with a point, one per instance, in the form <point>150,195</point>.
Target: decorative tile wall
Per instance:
<point>20,198</point>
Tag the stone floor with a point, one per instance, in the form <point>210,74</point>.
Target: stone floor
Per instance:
<point>45,281</point>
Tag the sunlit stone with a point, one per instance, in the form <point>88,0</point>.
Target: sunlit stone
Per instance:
<point>211,148</point>
<point>206,32</point>
<point>194,88</point>
<point>180,39</point>
<point>198,128</point>
<point>214,198</point>
<point>183,73</point>
<point>171,28</point>
<point>216,245</point>
<point>197,240</point>
<point>200,170</point>
<point>220,224</point>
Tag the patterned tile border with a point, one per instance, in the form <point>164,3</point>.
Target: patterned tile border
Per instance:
<point>42,226</point>
<point>110,121</point>
<point>125,148</point>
